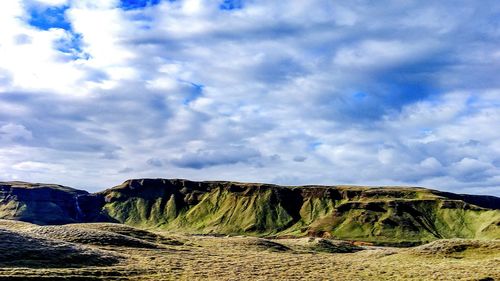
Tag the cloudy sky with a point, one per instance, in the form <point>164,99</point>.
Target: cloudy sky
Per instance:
<point>288,92</point>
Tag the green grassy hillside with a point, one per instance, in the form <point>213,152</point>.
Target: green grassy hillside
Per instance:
<point>381,215</point>
<point>390,215</point>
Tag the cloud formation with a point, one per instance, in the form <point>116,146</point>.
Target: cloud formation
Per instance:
<point>307,92</point>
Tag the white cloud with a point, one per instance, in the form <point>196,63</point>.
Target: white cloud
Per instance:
<point>377,53</point>
<point>39,167</point>
<point>14,132</point>
<point>53,2</point>
<point>295,93</point>
<point>30,56</point>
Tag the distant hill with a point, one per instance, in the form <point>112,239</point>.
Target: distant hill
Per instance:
<point>381,215</point>
<point>47,203</point>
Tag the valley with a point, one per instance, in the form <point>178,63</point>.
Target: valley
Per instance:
<point>171,229</point>
<point>106,255</point>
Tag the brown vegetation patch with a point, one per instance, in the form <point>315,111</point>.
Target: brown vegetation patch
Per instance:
<point>313,244</point>
<point>454,247</point>
<point>89,236</point>
<point>23,249</point>
<point>130,231</point>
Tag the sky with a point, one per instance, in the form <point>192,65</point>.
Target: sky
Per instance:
<point>289,92</point>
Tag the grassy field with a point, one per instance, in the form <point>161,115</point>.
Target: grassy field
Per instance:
<point>132,254</point>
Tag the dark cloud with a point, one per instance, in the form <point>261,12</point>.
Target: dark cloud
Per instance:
<point>214,157</point>
<point>125,170</point>
<point>155,162</point>
<point>299,158</point>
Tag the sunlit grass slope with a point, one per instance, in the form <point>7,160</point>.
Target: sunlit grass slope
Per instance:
<point>380,215</point>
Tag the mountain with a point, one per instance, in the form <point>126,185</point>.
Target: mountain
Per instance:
<point>382,215</point>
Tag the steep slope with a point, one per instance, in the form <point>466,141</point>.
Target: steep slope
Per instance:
<point>381,215</point>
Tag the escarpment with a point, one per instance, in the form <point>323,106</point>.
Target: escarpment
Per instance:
<point>383,214</point>
<point>390,215</point>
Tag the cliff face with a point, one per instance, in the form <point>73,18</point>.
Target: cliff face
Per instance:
<point>382,215</point>
<point>391,215</point>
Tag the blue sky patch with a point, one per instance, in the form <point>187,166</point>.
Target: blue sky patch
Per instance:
<point>359,96</point>
<point>313,145</point>
<point>46,18</point>
<point>231,4</point>
<point>196,92</point>
<point>137,4</point>
<point>72,47</point>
